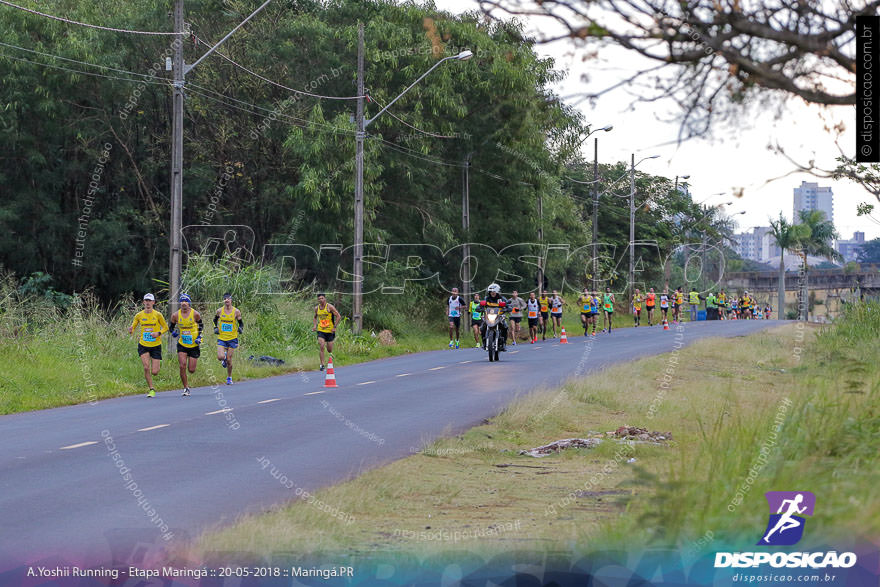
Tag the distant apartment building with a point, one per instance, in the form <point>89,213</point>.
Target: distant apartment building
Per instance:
<point>850,248</point>
<point>810,196</point>
<point>757,245</point>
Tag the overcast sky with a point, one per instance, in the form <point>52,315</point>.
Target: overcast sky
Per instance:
<point>733,158</point>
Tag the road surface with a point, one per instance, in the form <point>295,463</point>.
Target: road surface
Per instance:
<point>88,484</point>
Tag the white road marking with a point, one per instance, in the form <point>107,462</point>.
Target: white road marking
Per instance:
<point>313,392</point>
<point>512,352</point>
<point>153,428</point>
<point>404,374</point>
<point>366,382</point>
<point>218,411</point>
<point>79,445</point>
<point>269,401</point>
<point>437,368</point>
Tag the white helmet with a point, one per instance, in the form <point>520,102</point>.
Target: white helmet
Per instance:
<point>494,288</point>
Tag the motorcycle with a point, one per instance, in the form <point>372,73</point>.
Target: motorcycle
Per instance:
<point>492,318</point>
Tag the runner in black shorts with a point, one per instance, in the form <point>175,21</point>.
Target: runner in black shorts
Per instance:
<point>532,307</point>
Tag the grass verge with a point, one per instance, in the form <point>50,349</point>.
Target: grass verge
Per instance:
<point>794,408</point>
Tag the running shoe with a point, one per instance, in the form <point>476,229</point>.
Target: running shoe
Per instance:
<point>321,368</point>
<point>532,341</point>
<point>457,344</point>
<point>478,345</point>
<point>451,344</point>
<point>514,343</point>
<point>151,393</point>
<point>185,392</point>
<point>229,381</point>
<point>223,363</point>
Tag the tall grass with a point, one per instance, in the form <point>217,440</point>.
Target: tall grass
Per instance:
<point>826,441</point>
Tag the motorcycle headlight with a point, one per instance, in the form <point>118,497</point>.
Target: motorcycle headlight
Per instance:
<point>491,318</point>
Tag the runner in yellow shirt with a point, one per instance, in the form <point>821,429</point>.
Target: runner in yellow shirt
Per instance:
<point>326,319</point>
<point>227,326</point>
<point>150,325</point>
<point>638,298</point>
<point>584,301</point>
<point>187,323</point>
<point>544,303</point>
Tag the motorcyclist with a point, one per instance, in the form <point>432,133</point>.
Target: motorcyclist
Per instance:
<point>495,299</point>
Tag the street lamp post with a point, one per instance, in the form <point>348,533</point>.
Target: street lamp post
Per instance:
<point>180,69</point>
<point>362,124</point>
<point>676,181</point>
<point>632,217</point>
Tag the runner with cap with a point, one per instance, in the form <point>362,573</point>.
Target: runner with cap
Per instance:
<point>227,326</point>
<point>187,324</point>
<point>150,325</point>
<point>454,305</point>
<point>326,319</point>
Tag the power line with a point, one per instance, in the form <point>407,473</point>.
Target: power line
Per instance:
<point>301,122</point>
<point>91,73</point>
<point>79,62</point>
<point>91,26</point>
<point>274,83</point>
<point>424,132</point>
<point>410,153</point>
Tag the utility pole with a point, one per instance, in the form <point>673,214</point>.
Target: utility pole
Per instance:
<point>357,309</point>
<point>632,222</point>
<point>596,214</point>
<point>541,241</point>
<point>177,159</point>
<point>180,70</point>
<point>465,226</point>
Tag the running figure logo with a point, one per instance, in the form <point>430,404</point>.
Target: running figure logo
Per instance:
<point>786,525</point>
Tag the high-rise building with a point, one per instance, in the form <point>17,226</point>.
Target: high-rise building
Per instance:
<point>810,196</point>
<point>850,248</point>
<point>757,245</point>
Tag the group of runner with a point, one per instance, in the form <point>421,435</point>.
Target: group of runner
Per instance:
<point>544,310</point>
<point>186,328</point>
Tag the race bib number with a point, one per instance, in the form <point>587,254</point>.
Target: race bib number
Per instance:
<point>147,335</point>
<point>226,327</point>
<point>533,313</point>
<point>453,313</point>
<point>586,307</point>
<point>186,338</point>
<point>325,323</point>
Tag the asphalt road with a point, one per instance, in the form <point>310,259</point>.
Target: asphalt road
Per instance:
<point>64,494</point>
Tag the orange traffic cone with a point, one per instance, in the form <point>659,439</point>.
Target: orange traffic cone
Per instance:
<point>665,324</point>
<point>563,339</point>
<point>734,316</point>
<point>330,378</point>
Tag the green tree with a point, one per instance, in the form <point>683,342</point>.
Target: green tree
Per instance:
<point>787,237</point>
<point>870,252</point>
<point>815,237</point>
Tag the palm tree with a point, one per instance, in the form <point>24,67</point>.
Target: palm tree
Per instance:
<point>815,238</point>
<point>787,236</point>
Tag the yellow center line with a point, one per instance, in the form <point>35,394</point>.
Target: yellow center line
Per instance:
<point>436,368</point>
<point>366,382</point>
<point>269,401</point>
<point>218,411</point>
<point>313,392</point>
<point>404,374</point>
<point>153,428</point>
<point>79,445</point>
